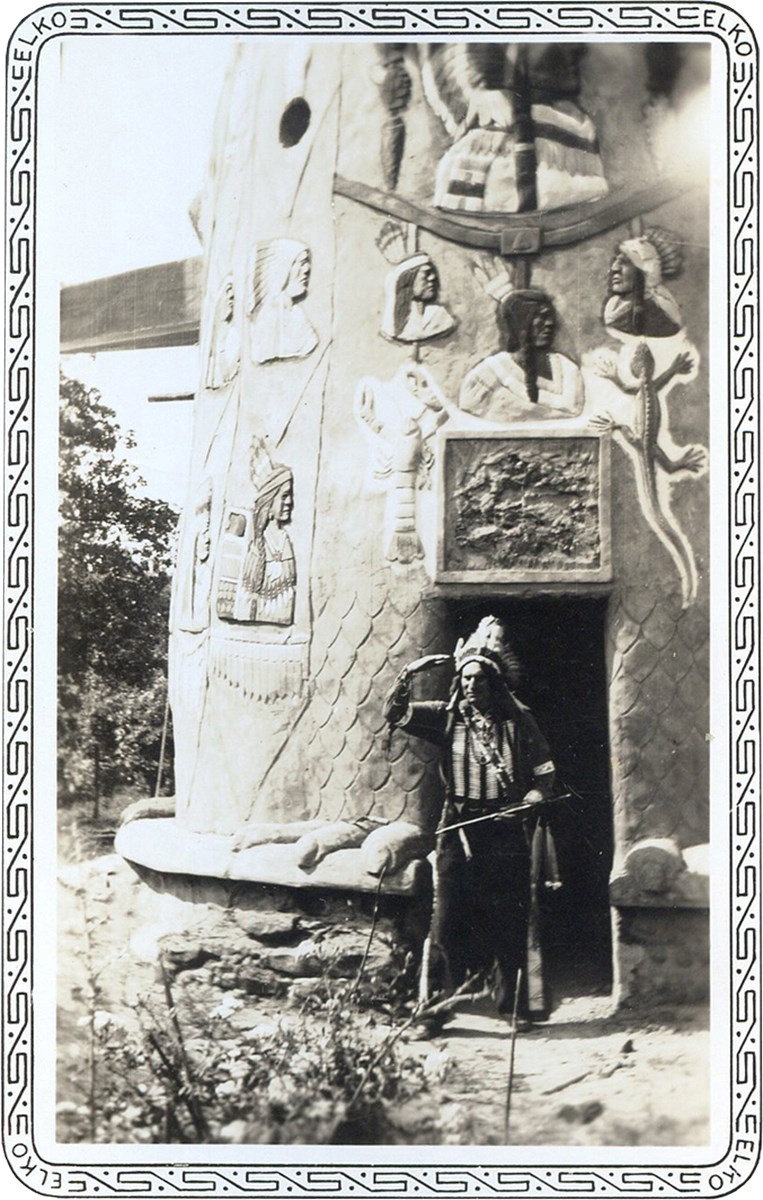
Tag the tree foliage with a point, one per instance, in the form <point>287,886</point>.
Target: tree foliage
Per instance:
<point>115,554</point>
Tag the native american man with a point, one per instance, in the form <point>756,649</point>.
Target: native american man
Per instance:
<point>489,874</point>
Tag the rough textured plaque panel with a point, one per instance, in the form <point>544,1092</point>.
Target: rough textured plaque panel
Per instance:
<point>521,506</point>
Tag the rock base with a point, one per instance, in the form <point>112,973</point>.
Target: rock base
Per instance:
<point>663,956</point>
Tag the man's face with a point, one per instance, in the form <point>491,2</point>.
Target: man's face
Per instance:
<point>622,275</point>
<point>426,284</point>
<point>475,685</point>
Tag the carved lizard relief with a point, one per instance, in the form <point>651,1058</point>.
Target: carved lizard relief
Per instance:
<point>652,460</point>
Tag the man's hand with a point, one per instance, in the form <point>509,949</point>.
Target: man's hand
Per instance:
<point>534,796</point>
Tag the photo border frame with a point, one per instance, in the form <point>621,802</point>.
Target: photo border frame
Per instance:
<point>664,1177</point>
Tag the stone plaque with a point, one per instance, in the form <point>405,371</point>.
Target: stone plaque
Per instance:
<point>523,506</point>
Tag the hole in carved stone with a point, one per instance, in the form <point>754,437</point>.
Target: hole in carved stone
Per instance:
<point>295,120</point>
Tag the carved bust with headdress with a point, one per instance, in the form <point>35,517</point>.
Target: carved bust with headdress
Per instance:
<point>638,302</point>
<point>270,573</point>
<point>194,576</point>
<point>223,360</point>
<point>280,280</point>
<point>412,312</point>
<point>257,582</point>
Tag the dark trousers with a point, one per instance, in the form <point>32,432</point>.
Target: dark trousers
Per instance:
<point>482,908</point>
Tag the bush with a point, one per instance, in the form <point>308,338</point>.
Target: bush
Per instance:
<point>328,1077</point>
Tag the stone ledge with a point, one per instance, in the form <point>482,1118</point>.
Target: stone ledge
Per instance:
<point>161,845</point>
<point>657,874</point>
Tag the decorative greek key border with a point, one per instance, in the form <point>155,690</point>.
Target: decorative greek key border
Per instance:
<point>691,20</point>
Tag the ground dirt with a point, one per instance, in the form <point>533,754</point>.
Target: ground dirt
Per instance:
<point>591,1076</point>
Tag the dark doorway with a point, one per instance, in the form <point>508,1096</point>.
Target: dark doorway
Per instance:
<point>560,642</point>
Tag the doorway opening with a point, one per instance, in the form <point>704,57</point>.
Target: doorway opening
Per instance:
<point>560,643</point>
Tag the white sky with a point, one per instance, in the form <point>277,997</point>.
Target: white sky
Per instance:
<point>125,136</point>
<point>133,130</point>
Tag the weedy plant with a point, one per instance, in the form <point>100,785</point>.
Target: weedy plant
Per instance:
<point>328,1074</point>
<point>182,1066</point>
<point>195,1063</point>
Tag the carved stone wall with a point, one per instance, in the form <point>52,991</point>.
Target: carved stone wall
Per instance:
<point>659,719</point>
<point>341,755</point>
<point>518,509</point>
<point>307,566</point>
<point>662,956</point>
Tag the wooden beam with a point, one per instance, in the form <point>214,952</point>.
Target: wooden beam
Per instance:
<point>138,310</point>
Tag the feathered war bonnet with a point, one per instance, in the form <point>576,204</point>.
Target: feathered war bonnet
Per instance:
<point>489,646</point>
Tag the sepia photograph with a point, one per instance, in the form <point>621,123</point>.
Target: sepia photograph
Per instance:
<point>381,562</point>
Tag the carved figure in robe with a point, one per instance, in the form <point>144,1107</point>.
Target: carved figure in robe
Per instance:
<point>528,381</point>
<point>195,582</point>
<point>258,576</point>
<point>280,327</point>
<point>223,361</point>
<point>521,140</point>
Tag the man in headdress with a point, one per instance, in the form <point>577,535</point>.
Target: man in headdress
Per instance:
<point>489,874</point>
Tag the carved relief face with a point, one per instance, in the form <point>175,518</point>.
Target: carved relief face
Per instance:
<point>228,302</point>
<point>284,505</point>
<point>426,284</point>
<point>299,276</point>
<point>543,326</point>
<point>622,275</point>
<point>476,687</point>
